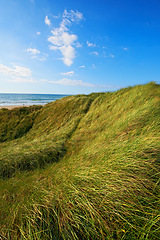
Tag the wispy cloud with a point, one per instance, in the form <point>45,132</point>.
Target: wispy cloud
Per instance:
<point>62,40</point>
<point>68,73</point>
<point>94,53</point>
<point>22,80</point>
<point>70,82</point>
<point>78,45</point>
<point>47,21</point>
<point>89,44</point>
<point>38,33</point>
<point>76,83</point>
<point>33,51</point>
<point>16,73</point>
<point>82,66</point>
<point>56,16</point>
<point>93,66</point>
<point>43,58</point>
<point>71,16</point>
<point>36,54</point>
<point>111,55</point>
<point>125,48</point>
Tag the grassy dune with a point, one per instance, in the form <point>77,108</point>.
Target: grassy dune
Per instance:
<point>82,167</point>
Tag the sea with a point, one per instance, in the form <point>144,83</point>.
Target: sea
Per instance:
<point>9,99</point>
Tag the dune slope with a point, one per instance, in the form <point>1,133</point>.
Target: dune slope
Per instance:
<point>87,167</point>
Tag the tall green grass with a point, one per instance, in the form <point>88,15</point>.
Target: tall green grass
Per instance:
<point>45,142</point>
<point>17,122</point>
<point>100,173</point>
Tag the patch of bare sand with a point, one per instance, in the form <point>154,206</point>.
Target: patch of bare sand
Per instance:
<point>13,106</point>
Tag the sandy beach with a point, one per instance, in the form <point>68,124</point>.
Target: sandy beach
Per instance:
<point>13,106</point>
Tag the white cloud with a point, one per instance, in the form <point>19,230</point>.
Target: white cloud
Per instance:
<point>72,16</point>
<point>91,44</point>
<point>33,51</point>
<point>22,80</point>
<point>125,48</point>
<point>56,16</point>
<point>68,53</point>
<point>16,73</point>
<point>43,59</point>
<point>75,83</point>
<point>94,53</point>
<point>38,33</point>
<point>22,71</point>
<point>68,73</point>
<point>69,82</point>
<point>47,21</point>
<point>36,54</point>
<point>62,40</point>
<point>82,66</point>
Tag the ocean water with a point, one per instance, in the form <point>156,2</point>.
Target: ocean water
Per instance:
<point>7,99</point>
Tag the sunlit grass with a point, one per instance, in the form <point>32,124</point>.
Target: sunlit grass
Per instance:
<point>96,172</point>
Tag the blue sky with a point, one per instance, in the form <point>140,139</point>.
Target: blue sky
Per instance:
<point>73,47</point>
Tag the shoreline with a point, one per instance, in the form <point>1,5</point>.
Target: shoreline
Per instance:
<point>10,107</point>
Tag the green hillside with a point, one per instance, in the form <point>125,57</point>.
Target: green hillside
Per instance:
<point>82,167</point>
